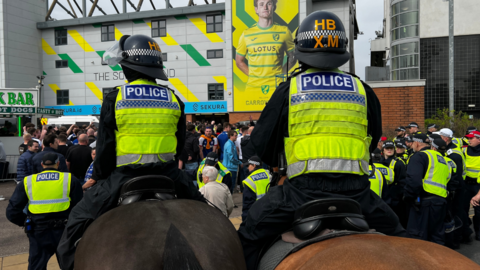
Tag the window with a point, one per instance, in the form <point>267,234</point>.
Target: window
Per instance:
<point>404,6</point>
<point>164,57</point>
<point>62,97</point>
<point>214,23</point>
<point>214,54</point>
<point>159,28</point>
<point>215,91</point>
<point>61,64</point>
<point>108,32</point>
<point>61,37</point>
<point>106,91</point>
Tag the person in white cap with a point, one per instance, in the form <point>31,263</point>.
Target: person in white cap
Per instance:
<point>455,153</point>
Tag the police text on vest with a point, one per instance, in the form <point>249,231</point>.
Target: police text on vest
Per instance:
<point>147,92</point>
<point>327,81</point>
<point>48,176</point>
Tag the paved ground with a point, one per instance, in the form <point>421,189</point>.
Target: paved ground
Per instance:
<point>14,243</point>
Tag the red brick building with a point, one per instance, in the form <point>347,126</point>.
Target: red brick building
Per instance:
<point>402,102</point>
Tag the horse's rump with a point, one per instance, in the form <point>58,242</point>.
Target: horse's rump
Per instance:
<point>369,251</point>
<point>173,234</point>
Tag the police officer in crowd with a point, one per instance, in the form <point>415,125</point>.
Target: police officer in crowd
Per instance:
<point>413,128</point>
<point>464,142</point>
<point>224,175</point>
<point>255,185</point>
<point>400,133</point>
<point>321,158</point>
<point>142,128</point>
<point>50,196</point>
<point>409,143</point>
<point>472,179</point>
<point>425,191</point>
<point>431,128</point>
<point>395,192</point>
<point>378,181</point>
<point>400,151</point>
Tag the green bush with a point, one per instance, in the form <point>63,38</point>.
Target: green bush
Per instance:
<point>459,122</point>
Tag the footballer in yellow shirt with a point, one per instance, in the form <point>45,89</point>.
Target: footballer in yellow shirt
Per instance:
<point>264,46</point>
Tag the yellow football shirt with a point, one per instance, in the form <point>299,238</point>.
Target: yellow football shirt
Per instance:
<point>265,49</point>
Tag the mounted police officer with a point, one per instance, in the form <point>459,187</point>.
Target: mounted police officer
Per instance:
<point>255,185</point>
<point>319,119</point>
<point>50,196</point>
<point>142,128</point>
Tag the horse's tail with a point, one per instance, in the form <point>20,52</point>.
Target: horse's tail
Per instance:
<point>177,252</point>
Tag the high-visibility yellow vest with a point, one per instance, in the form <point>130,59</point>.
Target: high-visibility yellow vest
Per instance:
<point>472,164</point>
<point>452,166</point>
<point>48,192</point>
<point>459,152</point>
<point>147,115</point>
<point>376,181</point>
<point>386,171</point>
<point>458,142</point>
<point>258,182</point>
<point>327,124</point>
<point>221,173</point>
<point>438,174</point>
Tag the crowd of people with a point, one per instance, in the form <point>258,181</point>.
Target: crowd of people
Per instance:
<point>429,180</point>
<point>74,146</point>
<point>224,147</point>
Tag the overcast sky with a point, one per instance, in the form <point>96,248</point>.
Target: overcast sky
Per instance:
<point>369,16</point>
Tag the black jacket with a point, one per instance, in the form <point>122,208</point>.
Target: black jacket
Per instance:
<point>19,200</point>
<point>105,160</point>
<point>36,161</point>
<point>191,148</point>
<point>248,150</point>
<point>456,181</point>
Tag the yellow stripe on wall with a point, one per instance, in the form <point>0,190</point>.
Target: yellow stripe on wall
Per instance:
<point>118,34</point>
<point>55,87</point>
<point>169,40</point>
<point>202,26</point>
<point>80,40</point>
<point>186,93</point>
<point>95,90</point>
<point>221,79</point>
<point>46,48</point>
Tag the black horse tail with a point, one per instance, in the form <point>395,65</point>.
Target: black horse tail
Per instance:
<point>177,252</point>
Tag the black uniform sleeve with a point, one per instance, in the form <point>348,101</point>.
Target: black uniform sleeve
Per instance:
<point>249,198</point>
<point>400,171</point>
<point>271,128</point>
<point>374,116</point>
<point>17,203</point>
<point>227,180</point>
<point>416,170</point>
<point>76,192</point>
<point>105,161</point>
<point>385,188</point>
<point>181,127</point>
<point>457,178</point>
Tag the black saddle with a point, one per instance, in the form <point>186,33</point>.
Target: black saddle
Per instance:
<point>334,214</point>
<point>145,188</point>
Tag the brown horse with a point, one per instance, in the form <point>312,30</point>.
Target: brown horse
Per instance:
<point>170,235</point>
<point>371,251</point>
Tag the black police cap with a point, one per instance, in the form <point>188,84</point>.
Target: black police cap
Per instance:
<point>439,144</point>
<point>49,159</point>
<point>421,138</point>
<point>321,41</point>
<point>211,159</point>
<point>142,54</point>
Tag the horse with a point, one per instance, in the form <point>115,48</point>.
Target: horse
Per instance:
<point>171,234</point>
<point>373,251</point>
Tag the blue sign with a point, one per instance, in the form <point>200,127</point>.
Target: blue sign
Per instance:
<point>327,81</point>
<point>146,92</point>
<point>79,109</point>
<point>206,107</point>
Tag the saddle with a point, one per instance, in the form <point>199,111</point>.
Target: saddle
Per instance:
<point>146,188</point>
<point>314,222</point>
<point>334,214</point>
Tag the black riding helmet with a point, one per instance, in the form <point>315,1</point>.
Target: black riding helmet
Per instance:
<point>321,41</point>
<point>138,52</point>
